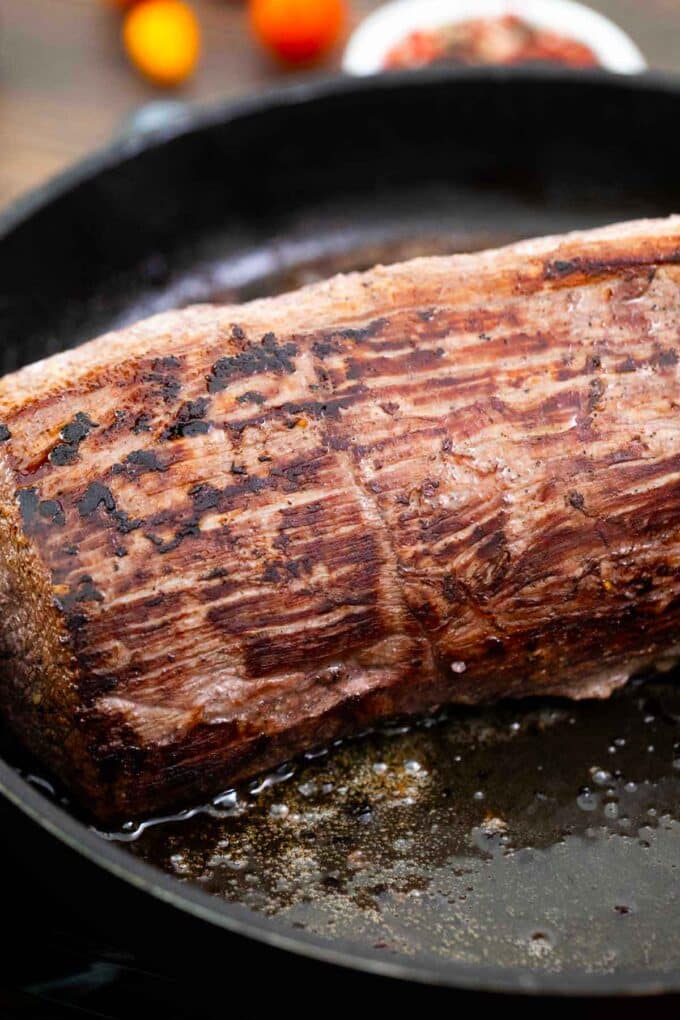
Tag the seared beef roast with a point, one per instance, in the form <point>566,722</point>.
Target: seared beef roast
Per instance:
<point>228,534</point>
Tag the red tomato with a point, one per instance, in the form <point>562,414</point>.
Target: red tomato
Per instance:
<point>298,31</point>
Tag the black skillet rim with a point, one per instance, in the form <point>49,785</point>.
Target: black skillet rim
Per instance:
<point>145,877</point>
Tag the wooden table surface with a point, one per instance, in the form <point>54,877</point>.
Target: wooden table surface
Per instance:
<point>66,86</point>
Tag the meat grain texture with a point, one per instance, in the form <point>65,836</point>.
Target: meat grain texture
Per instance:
<point>230,534</point>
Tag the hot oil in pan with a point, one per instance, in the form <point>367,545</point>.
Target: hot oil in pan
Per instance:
<point>539,834</point>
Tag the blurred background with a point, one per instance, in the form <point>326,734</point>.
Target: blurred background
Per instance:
<point>74,72</point>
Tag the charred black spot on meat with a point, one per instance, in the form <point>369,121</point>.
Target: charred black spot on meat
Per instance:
<point>191,428</point>
<point>183,526</point>
<point>99,495</point>
<point>293,474</point>
<point>267,356</point>
<point>63,454</point>
<point>251,397</point>
<point>626,264</point>
<point>558,268</point>
<point>121,420</point>
<point>429,487</point>
<point>576,500</point>
<point>237,332</point>
<point>322,348</point>
<point>293,568</point>
<point>271,574</point>
<point>52,510</point>
<point>165,363</point>
<point>140,462</point>
<point>224,586</point>
<point>74,620</point>
<point>72,434</point>
<point>124,523</point>
<point>189,420</point>
<point>627,365</point>
<point>5,433</point>
<point>205,497</point>
<point>250,484</point>
<point>665,358</point>
<point>84,590</point>
<point>156,540</point>
<point>237,428</point>
<point>164,385</point>
<point>142,423</point>
<point>94,496</point>
<point>317,408</point>
<point>358,334</point>
<point>389,407</point>
<point>190,529</point>
<point>28,504</point>
<point>215,574</point>
<point>77,429</point>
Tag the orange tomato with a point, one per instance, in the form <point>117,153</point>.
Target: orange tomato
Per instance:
<point>162,39</point>
<point>298,31</point>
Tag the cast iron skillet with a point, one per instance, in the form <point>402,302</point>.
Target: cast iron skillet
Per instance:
<point>259,196</point>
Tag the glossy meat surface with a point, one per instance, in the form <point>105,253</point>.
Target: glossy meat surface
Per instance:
<point>230,534</point>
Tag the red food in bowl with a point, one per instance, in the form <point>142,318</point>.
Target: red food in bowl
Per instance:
<point>504,40</point>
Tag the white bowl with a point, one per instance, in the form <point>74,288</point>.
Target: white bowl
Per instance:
<point>390,24</point>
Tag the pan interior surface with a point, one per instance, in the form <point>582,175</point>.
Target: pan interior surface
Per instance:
<point>542,836</point>
<point>539,836</point>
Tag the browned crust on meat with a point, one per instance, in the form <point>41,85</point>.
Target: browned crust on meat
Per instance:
<point>39,694</point>
<point>248,530</point>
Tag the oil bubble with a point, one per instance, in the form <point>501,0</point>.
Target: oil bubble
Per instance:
<point>587,800</point>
